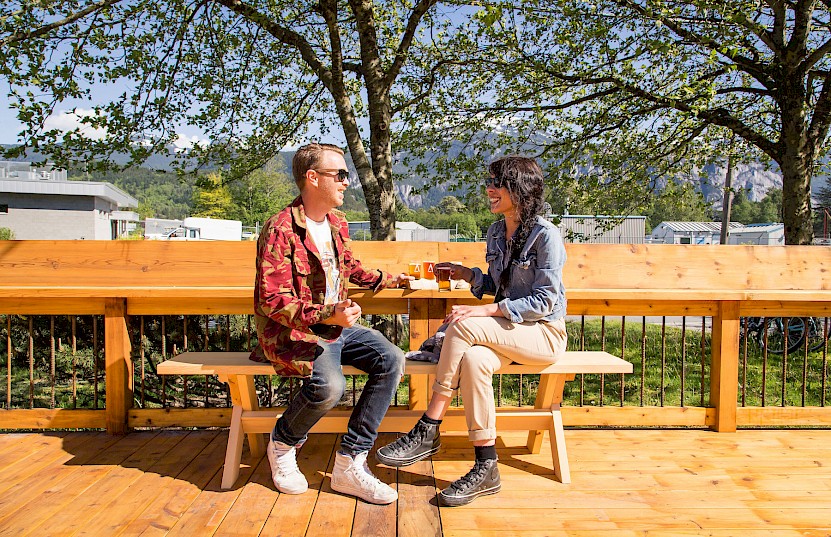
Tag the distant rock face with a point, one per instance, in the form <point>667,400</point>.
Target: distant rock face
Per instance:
<point>755,178</point>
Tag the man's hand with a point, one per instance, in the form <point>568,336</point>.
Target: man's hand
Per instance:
<point>401,279</point>
<point>457,272</point>
<point>346,313</point>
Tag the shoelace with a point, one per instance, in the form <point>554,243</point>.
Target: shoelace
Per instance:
<point>469,479</point>
<point>411,438</point>
<point>366,477</point>
<point>287,465</point>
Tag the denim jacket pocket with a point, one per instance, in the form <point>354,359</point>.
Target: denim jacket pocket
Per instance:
<point>527,262</point>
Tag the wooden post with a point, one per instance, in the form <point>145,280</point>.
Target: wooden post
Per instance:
<point>119,366</point>
<point>724,371</point>
<point>419,331</point>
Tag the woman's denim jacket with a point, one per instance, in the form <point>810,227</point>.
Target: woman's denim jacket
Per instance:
<point>536,291</point>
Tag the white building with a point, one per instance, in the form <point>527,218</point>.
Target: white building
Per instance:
<point>764,234</point>
<point>603,229</point>
<point>39,203</point>
<point>690,232</point>
<point>404,231</point>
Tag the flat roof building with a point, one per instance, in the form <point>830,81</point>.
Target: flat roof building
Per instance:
<point>39,203</point>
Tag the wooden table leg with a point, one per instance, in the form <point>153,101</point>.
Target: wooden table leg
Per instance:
<point>558,446</point>
<point>233,453</point>
<point>550,394</point>
<point>244,398</point>
<point>549,391</point>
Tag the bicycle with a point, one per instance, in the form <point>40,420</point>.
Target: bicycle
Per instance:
<point>770,332</point>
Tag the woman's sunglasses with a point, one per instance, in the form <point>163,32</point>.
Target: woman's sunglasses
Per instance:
<point>495,182</point>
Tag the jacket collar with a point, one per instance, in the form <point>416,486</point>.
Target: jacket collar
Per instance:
<point>298,214</point>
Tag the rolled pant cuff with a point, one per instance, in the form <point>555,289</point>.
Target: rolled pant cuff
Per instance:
<point>442,390</point>
<point>481,434</point>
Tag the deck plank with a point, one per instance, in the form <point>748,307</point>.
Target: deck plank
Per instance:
<point>64,467</point>
<point>248,514</point>
<point>125,506</point>
<point>292,513</point>
<point>377,520</point>
<point>122,477</point>
<point>649,482</point>
<point>171,502</point>
<point>418,510</point>
<point>334,512</point>
<point>63,493</point>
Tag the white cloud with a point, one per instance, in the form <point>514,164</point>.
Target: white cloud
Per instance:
<point>183,142</point>
<point>71,121</point>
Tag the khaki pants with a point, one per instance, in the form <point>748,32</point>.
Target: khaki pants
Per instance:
<point>476,347</point>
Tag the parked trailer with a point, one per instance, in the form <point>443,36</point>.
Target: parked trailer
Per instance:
<point>207,229</point>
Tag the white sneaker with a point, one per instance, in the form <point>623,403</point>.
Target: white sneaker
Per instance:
<point>353,477</point>
<point>284,471</point>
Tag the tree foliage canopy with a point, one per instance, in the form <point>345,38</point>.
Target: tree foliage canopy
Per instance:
<point>252,75</point>
<point>616,93</point>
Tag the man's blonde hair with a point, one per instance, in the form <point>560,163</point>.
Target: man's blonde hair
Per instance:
<point>306,158</point>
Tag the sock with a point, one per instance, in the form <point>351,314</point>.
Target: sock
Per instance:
<point>485,452</point>
<point>430,421</point>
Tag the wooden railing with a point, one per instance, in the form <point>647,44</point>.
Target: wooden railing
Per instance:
<point>118,280</point>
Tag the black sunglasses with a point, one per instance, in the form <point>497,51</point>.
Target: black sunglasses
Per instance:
<point>343,175</point>
<point>495,182</point>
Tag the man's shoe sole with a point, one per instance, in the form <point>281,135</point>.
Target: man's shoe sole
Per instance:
<point>397,463</point>
<point>455,501</point>
<point>357,494</point>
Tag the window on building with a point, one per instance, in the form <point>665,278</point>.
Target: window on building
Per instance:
<point>685,240</point>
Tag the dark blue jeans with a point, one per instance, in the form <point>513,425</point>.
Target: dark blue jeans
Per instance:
<point>360,347</point>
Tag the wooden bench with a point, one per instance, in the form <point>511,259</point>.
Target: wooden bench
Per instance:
<point>235,369</point>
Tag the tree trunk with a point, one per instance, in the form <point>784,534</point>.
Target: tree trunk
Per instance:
<point>796,200</point>
<point>796,163</point>
<point>383,225</point>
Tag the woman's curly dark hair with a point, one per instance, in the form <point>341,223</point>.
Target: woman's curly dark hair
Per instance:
<point>523,178</point>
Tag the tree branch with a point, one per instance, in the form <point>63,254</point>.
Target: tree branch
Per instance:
<point>777,33</point>
<point>431,82</point>
<point>814,58</point>
<point>413,21</point>
<point>715,116</point>
<point>550,107</point>
<point>757,91</point>
<point>801,26</point>
<point>822,115</point>
<point>16,38</point>
<point>282,34</point>
<point>748,65</point>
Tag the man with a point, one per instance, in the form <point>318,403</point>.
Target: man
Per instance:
<point>306,326</point>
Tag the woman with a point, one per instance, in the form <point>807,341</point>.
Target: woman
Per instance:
<point>524,324</point>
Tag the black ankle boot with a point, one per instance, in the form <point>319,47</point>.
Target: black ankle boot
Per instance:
<point>421,442</point>
<point>481,480</point>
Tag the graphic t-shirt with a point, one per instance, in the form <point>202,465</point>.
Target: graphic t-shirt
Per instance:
<point>322,236</point>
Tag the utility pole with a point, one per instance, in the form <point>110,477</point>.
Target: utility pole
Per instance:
<point>728,197</point>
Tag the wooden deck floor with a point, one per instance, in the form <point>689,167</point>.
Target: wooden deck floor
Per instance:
<point>625,483</point>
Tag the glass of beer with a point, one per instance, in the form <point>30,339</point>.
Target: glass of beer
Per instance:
<point>415,270</point>
<point>428,270</point>
<point>443,277</point>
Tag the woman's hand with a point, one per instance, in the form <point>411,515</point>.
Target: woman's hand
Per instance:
<point>457,272</point>
<point>460,312</point>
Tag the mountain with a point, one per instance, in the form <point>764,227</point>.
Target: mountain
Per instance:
<point>756,178</point>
